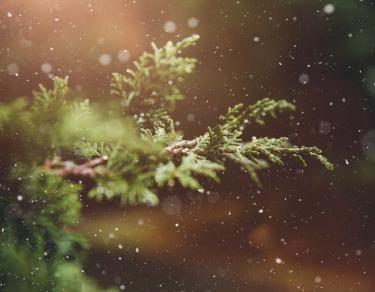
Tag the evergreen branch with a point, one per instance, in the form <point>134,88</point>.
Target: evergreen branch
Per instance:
<point>155,81</point>
<point>239,116</point>
<point>50,99</point>
<point>275,148</point>
<point>125,160</point>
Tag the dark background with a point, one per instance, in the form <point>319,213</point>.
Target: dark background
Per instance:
<point>305,230</point>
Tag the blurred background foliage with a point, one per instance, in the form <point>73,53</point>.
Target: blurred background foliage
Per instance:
<point>304,230</point>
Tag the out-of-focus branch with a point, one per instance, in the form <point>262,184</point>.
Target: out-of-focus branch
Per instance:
<point>70,169</point>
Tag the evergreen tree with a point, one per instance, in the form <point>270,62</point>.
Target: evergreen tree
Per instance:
<point>54,143</point>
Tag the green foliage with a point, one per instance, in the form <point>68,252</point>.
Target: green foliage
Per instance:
<point>155,81</point>
<point>224,141</point>
<point>49,196</point>
<point>36,253</point>
<point>239,115</point>
<point>191,166</point>
<point>46,100</point>
<point>51,143</point>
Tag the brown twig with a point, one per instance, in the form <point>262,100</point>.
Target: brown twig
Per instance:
<point>180,147</point>
<point>87,169</point>
<point>70,169</point>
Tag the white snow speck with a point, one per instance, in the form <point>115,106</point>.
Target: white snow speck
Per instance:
<point>123,56</point>
<point>191,117</point>
<point>46,68</point>
<point>279,261</point>
<point>12,69</point>
<point>170,26</point>
<point>318,279</point>
<point>105,59</point>
<point>325,127</point>
<point>304,78</point>
<point>329,9</point>
<point>192,22</point>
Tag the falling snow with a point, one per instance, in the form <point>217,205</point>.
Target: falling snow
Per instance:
<point>105,59</point>
<point>192,22</point>
<point>329,8</point>
<point>304,229</point>
<point>170,26</point>
<point>304,78</point>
